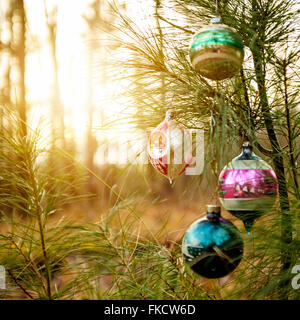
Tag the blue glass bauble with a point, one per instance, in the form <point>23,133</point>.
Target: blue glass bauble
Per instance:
<point>212,246</point>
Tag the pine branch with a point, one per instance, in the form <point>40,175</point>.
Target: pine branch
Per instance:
<point>174,25</point>
<point>30,263</point>
<point>19,284</point>
<point>40,222</point>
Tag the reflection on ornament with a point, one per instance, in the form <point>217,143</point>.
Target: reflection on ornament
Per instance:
<point>217,52</point>
<point>212,246</point>
<point>247,186</point>
<point>170,148</point>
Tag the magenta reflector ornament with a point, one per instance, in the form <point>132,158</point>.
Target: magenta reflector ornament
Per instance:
<point>247,187</point>
<point>170,148</point>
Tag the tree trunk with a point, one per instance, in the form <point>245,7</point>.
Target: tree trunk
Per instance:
<point>20,54</point>
<point>57,109</point>
<point>286,221</point>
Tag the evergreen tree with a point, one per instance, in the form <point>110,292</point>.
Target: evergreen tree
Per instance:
<point>260,104</point>
<point>119,257</point>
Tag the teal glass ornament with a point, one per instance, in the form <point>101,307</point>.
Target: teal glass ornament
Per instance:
<point>212,246</point>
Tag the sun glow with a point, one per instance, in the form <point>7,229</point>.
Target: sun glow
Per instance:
<point>81,87</point>
<point>83,83</point>
<point>72,65</point>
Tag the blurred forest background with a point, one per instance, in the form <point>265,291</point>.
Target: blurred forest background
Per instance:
<point>79,76</point>
<point>56,72</point>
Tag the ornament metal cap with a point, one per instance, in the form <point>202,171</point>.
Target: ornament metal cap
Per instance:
<point>170,115</point>
<point>213,208</point>
<point>247,145</point>
<point>216,20</point>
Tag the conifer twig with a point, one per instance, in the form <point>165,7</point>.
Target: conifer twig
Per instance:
<point>174,25</point>
<point>19,284</point>
<point>40,223</point>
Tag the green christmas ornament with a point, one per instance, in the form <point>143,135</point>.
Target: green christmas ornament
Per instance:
<point>217,51</point>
